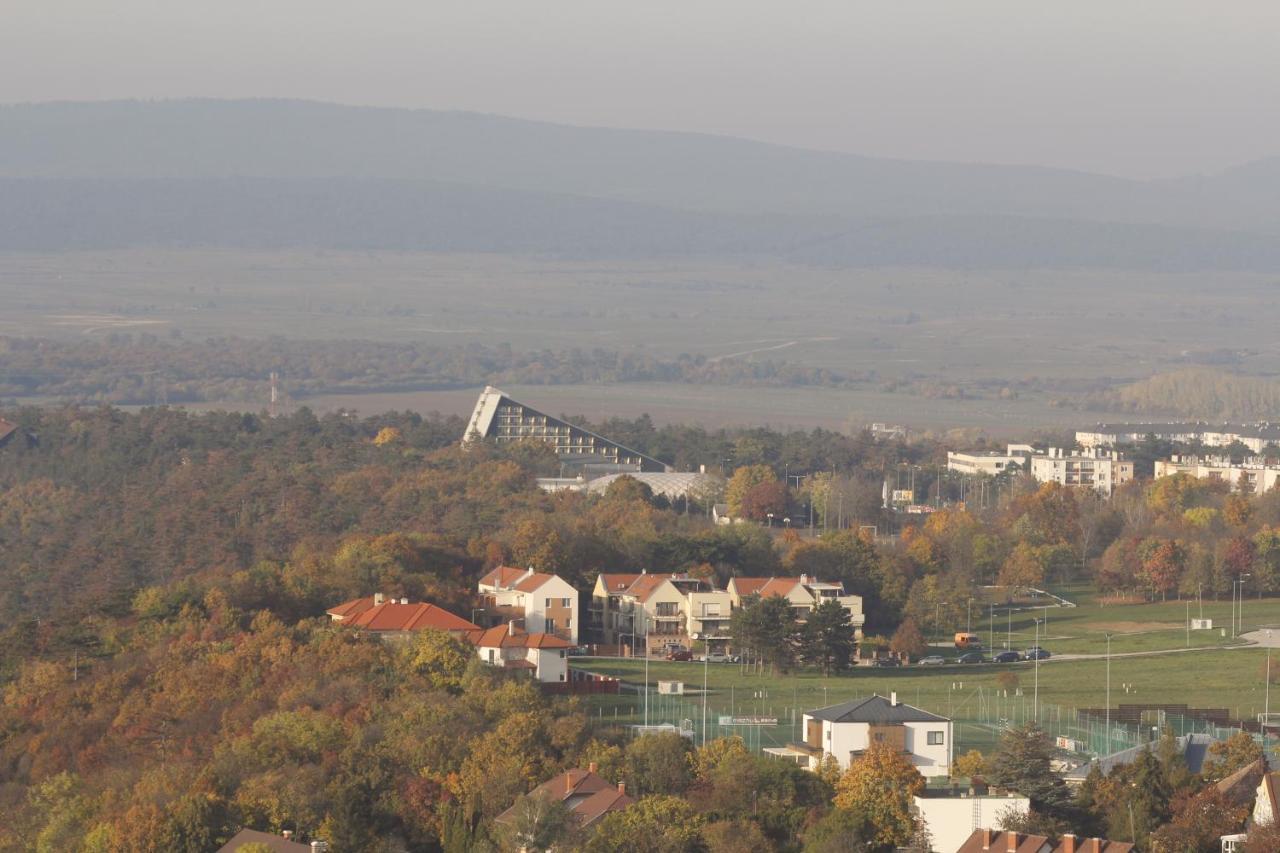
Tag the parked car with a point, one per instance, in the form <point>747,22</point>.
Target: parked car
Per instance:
<point>679,654</point>
<point>578,651</point>
<point>718,657</point>
<point>886,662</point>
<point>932,660</point>
<point>971,657</point>
<point>1037,653</point>
<point>1009,656</point>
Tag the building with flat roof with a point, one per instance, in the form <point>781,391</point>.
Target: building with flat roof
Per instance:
<point>991,462</point>
<point>1253,436</point>
<point>1252,476</point>
<point>1096,468</point>
<point>500,418</point>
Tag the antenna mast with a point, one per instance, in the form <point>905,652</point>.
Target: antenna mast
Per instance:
<point>275,394</point>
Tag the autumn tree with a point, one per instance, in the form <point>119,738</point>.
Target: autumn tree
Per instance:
<point>908,641</point>
<point>880,785</point>
<point>766,501</point>
<point>654,824</point>
<point>1227,756</point>
<point>745,479</point>
<point>1023,568</point>
<point>971,764</point>
<point>659,764</point>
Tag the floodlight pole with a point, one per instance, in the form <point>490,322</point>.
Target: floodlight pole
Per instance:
<point>1035,701</point>
<point>646,672</point>
<point>705,655</point>
<point>1266,706</point>
<point>1108,694</point>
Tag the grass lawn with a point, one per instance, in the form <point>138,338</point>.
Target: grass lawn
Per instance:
<point>1134,627</point>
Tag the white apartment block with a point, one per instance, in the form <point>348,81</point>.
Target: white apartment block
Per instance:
<point>632,609</point>
<point>1252,476</point>
<point>1256,437</point>
<point>548,604</point>
<point>803,593</point>
<point>1098,469</point>
<point>990,462</point>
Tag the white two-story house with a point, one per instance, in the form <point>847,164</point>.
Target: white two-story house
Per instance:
<point>847,730</point>
<point>803,593</point>
<point>548,604</point>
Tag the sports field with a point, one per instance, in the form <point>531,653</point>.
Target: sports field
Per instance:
<point>1150,664</point>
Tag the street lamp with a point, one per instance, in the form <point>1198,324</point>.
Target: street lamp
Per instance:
<point>1266,706</point>
<point>968,618</point>
<point>787,521</point>
<point>770,518</point>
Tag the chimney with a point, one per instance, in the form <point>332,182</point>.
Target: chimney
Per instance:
<point>377,599</point>
<point>568,783</point>
<point>593,767</point>
<point>622,787</point>
<point>528,572</point>
<point>1068,843</point>
<point>404,601</point>
<point>1096,845</point>
<point>893,698</point>
<point>1013,841</point>
<point>286,834</point>
<point>986,839</point>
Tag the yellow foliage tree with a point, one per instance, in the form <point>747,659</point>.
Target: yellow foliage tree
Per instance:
<point>387,435</point>
<point>880,785</point>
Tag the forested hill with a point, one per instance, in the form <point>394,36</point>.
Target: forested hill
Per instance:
<point>262,174</point>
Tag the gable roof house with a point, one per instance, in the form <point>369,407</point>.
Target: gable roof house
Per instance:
<point>804,593</point>
<point>588,796</point>
<point>848,729</point>
<point>396,618</point>
<point>544,656</point>
<point>999,841</point>
<point>275,843</point>
<point>547,603</point>
<point>627,608</point>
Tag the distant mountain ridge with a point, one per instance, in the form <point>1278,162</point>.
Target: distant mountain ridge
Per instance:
<point>538,187</point>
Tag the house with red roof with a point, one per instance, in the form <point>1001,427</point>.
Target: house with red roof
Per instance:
<point>547,603</point>
<point>395,618</point>
<point>588,796</point>
<point>656,610</point>
<point>543,656</point>
<point>803,593</point>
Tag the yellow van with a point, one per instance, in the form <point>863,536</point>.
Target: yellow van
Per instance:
<point>965,640</point>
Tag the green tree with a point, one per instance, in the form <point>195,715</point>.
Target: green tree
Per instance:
<point>659,764</point>
<point>1023,763</point>
<point>880,785</point>
<point>827,637</point>
<point>539,823</point>
<point>654,824</point>
<point>839,831</point>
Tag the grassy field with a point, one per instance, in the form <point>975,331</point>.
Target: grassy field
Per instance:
<point>975,696</point>
<point>964,334</point>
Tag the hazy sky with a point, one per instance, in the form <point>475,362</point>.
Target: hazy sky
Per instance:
<point>1150,88</point>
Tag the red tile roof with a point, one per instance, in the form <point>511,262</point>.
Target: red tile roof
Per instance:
<point>646,585</point>
<point>501,636</point>
<point>274,843</point>
<point>6,429</point>
<point>996,841</point>
<point>1095,845</point>
<point>618,583</point>
<point>354,607</point>
<point>590,795</point>
<point>392,616</point>
<point>503,576</point>
<point>534,581</point>
<point>764,587</point>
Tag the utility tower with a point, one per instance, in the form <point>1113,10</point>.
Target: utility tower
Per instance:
<point>275,394</point>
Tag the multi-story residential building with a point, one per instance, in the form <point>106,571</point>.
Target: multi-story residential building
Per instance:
<point>658,609</point>
<point>547,603</point>
<point>1252,476</point>
<point>1098,469</point>
<point>991,462</point>
<point>1256,437</point>
<point>803,593</point>
<point>848,730</point>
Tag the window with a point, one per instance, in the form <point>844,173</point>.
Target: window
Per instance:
<point>550,626</point>
<point>936,738</point>
<point>490,655</point>
<point>566,602</point>
<point>562,676</point>
<point>548,603</point>
<point>562,654</point>
<point>568,623</point>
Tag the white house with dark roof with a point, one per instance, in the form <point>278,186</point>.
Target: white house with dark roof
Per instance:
<point>547,603</point>
<point>848,729</point>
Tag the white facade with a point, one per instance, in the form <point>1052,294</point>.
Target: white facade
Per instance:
<point>547,603</point>
<point>990,463</point>
<point>952,819</point>
<point>1100,470</point>
<point>846,731</point>
<point>1255,437</point>
<point>1252,475</point>
<point>549,665</point>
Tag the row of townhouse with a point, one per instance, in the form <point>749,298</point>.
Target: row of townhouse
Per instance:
<point>654,610</point>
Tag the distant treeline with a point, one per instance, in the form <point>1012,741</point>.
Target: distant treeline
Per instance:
<point>1196,393</point>
<point>131,370</point>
